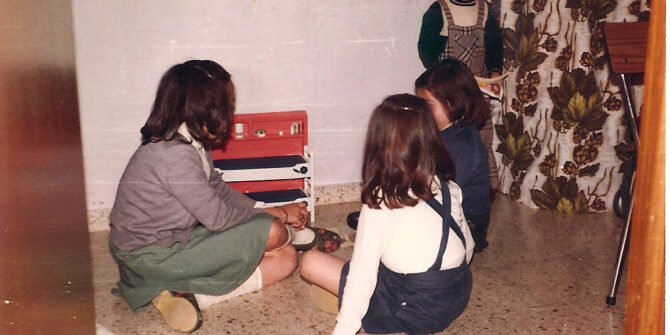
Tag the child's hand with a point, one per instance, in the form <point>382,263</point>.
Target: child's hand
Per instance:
<point>495,87</point>
<point>297,215</point>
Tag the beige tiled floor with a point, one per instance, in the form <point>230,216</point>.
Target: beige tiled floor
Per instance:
<point>542,273</point>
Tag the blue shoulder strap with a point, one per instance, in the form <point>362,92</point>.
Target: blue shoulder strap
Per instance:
<point>448,221</point>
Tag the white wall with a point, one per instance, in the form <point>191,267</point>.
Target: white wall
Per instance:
<point>334,58</point>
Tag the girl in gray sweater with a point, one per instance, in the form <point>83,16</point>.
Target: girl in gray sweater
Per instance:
<point>177,229</point>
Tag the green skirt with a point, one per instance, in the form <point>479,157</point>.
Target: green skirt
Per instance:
<point>211,263</point>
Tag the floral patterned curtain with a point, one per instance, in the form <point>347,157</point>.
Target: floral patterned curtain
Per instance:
<point>561,134</point>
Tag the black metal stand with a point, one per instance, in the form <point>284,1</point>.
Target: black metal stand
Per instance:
<point>632,126</point>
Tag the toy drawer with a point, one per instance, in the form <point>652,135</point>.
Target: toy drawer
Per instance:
<point>263,168</point>
<point>280,197</point>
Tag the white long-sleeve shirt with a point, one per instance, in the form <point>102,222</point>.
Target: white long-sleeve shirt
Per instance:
<point>406,240</point>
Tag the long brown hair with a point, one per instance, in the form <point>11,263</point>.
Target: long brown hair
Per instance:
<point>403,152</point>
<point>452,84</point>
<point>197,92</point>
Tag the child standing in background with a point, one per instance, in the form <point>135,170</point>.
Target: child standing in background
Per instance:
<point>467,30</point>
<point>459,109</point>
<point>409,270</point>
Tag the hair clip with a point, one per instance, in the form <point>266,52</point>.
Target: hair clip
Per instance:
<point>204,71</point>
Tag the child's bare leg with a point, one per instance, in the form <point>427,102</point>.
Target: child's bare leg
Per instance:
<point>277,237</point>
<point>322,269</point>
<point>278,264</point>
<point>279,260</point>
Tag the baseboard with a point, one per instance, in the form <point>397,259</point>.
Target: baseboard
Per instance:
<point>98,219</point>
<point>335,194</point>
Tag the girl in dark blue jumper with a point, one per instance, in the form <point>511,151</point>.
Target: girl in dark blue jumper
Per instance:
<point>460,110</point>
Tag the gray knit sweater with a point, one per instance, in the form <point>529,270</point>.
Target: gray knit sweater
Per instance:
<point>164,192</point>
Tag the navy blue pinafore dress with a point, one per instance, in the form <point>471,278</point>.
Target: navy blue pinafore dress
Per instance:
<point>419,303</point>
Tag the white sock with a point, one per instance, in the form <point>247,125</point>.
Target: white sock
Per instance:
<point>253,283</point>
<point>291,234</point>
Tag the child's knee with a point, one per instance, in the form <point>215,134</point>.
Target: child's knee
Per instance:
<point>278,264</point>
<point>277,237</point>
<point>309,263</point>
<point>288,258</point>
<point>307,258</point>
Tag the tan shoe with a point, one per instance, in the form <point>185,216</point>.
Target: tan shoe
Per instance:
<point>180,310</point>
<point>323,299</point>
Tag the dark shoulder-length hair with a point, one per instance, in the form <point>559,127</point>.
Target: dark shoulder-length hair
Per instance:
<point>199,93</point>
<point>403,152</point>
<point>452,84</point>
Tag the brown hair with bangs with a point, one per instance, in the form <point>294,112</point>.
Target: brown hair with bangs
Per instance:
<point>403,152</point>
<point>199,93</point>
<point>452,84</point>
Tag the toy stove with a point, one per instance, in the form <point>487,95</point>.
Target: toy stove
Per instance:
<point>266,157</point>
